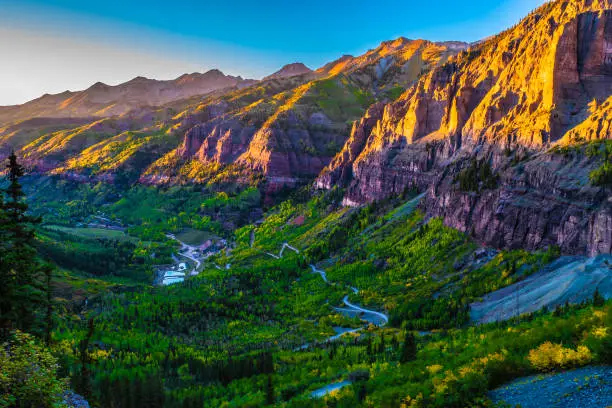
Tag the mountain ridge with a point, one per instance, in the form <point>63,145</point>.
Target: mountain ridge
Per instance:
<point>105,100</point>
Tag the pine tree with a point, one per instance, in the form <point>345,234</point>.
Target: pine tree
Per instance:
<point>7,277</point>
<point>84,385</point>
<point>22,290</point>
<point>20,224</point>
<point>270,399</point>
<point>598,300</point>
<point>48,271</point>
<point>362,392</point>
<point>409,349</point>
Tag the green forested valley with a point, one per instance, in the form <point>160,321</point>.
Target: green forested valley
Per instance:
<point>256,322</point>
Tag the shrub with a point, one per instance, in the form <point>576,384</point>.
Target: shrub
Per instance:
<point>478,175</point>
<point>601,176</point>
<point>605,352</point>
<point>28,377</point>
<point>550,356</point>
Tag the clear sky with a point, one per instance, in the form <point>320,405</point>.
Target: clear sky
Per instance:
<point>54,45</point>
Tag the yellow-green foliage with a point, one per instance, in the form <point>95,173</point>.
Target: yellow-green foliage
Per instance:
<point>116,151</point>
<point>28,374</point>
<point>71,139</point>
<point>550,356</point>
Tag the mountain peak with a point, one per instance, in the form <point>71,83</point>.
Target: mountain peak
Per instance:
<point>214,73</point>
<point>99,85</point>
<point>398,42</point>
<point>138,80</point>
<point>289,70</point>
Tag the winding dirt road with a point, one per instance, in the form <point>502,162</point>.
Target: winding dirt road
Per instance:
<point>371,316</point>
<point>379,319</point>
<point>280,253</point>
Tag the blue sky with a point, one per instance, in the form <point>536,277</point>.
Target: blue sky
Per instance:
<point>51,46</point>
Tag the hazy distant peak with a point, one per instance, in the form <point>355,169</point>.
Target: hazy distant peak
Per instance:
<point>289,70</point>
<point>98,85</point>
<point>214,71</point>
<point>139,79</point>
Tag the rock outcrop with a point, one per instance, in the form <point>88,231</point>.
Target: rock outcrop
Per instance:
<point>285,128</point>
<point>544,200</point>
<point>339,170</point>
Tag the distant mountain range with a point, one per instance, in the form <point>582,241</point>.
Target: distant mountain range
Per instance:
<point>105,100</point>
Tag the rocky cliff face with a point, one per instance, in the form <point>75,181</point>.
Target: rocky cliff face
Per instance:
<point>275,129</point>
<point>304,127</point>
<point>546,81</point>
<point>340,169</point>
<point>543,200</point>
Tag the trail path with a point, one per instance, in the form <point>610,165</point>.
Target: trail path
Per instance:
<point>372,316</point>
<point>280,253</point>
<point>351,309</point>
<point>377,318</point>
<point>320,272</point>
